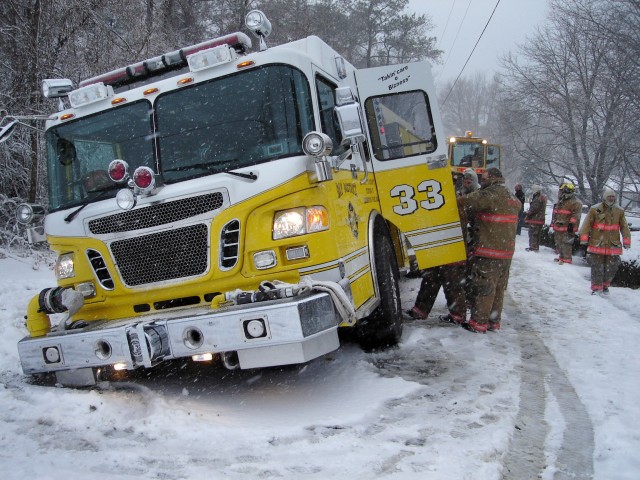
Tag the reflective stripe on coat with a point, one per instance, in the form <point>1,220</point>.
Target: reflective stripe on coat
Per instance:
<point>494,210</point>
<point>537,209</point>
<point>602,230</point>
<point>567,211</point>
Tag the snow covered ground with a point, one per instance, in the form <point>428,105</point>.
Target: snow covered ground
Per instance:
<point>553,395</point>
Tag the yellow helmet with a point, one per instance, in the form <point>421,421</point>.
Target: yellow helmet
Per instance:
<point>567,188</point>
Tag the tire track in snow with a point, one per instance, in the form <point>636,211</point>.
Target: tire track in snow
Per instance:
<point>541,375</point>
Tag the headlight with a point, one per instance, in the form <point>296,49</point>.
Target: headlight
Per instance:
<point>298,221</point>
<point>64,266</point>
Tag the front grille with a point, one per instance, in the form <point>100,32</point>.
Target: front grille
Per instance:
<point>156,215</point>
<point>162,256</point>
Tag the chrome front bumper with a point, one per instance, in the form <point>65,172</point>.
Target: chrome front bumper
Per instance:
<point>278,332</point>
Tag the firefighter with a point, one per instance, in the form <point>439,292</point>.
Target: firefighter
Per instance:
<point>469,184</point>
<point>566,218</point>
<point>494,212</point>
<point>453,277</point>
<point>519,193</point>
<point>535,216</point>
<point>601,232</point>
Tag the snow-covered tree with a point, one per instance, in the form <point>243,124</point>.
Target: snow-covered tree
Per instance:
<point>570,92</point>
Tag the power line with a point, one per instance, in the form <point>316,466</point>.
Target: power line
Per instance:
<point>473,50</point>
<point>455,39</point>
<point>446,24</point>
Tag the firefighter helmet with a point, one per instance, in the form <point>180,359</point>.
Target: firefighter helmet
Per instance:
<point>568,188</point>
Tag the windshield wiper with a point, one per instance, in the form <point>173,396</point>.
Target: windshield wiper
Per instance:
<point>250,175</point>
<point>184,168</point>
<point>211,167</point>
<point>88,200</point>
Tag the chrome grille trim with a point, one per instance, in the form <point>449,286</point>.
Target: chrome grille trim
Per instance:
<point>100,269</point>
<point>156,215</point>
<point>162,256</point>
<point>229,245</point>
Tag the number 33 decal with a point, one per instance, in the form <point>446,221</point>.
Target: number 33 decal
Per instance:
<point>406,194</point>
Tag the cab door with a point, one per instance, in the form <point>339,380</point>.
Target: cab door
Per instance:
<point>408,151</point>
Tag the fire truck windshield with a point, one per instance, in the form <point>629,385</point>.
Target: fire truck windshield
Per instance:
<point>223,124</point>
<point>232,122</point>
<point>79,152</point>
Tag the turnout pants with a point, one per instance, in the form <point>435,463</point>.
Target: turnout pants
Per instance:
<point>490,277</point>
<point>603,269</point>
<point>452,279</point>
<point>564,245</point>
<point>534,237</point>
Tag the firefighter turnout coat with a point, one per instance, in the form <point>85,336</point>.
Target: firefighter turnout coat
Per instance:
<point>494,212</point>
<point>602,230</point>
<point>567,211</point>
<point>537,209</point>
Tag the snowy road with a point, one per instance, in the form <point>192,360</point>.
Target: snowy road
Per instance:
<point>543,398</point>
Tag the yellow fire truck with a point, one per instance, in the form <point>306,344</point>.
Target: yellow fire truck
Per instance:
<point>472,152</point>
<point>218,203</point>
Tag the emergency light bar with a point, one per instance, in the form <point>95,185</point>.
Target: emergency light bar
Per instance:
<point>211,57</point>
<point>175,60</point>
<point>89,94</point>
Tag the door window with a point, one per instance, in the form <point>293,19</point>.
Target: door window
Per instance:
<point>328,120</point>
<point>401,125</point>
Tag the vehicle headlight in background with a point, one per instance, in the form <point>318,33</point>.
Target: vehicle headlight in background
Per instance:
<point>64,266</point>
<point>298,221</point>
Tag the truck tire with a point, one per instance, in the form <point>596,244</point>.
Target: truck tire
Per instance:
<point>383,328</point>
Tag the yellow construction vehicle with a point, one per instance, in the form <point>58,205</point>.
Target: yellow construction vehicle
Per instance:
<point>472,152</point>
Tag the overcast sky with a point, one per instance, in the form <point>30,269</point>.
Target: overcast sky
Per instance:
<point>457,33</point>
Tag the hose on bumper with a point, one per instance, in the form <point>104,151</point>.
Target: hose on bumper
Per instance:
<point>50,301</point>
<point>277,289</point>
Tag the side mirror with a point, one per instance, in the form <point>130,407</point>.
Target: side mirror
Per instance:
<point>7,130</point>
<point>349,120</point>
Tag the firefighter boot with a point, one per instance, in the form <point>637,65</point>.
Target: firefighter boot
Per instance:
<point>475,327</point>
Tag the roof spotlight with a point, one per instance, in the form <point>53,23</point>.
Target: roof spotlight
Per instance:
<point>56,87</point>
<point>259,24</point>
